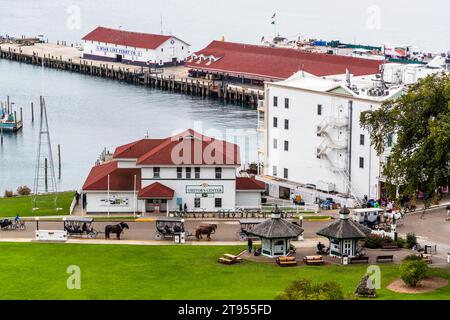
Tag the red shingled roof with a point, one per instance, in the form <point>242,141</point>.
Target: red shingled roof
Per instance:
<point>244,183</point>
<point>136,149</point>
<point>156,191</point>
<point>189,148</point>
<point>127,38</point>
<point>120,179</point>
<point>276,63</point>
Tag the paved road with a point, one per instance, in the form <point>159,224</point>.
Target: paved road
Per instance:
<point>226,231</point>
<point>431,229</point>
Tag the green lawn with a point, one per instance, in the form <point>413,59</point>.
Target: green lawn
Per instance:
<point>9,207</point>
<point>38,271</point>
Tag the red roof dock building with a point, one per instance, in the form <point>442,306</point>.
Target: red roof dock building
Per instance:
<point>162,175</point>
<point>254,64</point>
<point>143,49</point>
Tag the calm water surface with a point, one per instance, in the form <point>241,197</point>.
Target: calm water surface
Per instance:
<point>87,114</point>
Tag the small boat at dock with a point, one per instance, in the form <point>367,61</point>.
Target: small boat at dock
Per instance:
<point>9,121</point>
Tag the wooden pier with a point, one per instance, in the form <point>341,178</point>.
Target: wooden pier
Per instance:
<point>173,79</point>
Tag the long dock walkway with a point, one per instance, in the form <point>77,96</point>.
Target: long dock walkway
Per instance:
<point>174,79</point>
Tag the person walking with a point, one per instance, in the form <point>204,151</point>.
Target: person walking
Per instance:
<point>77,198</point>
<point>84,200</point>
<point>250,245</point>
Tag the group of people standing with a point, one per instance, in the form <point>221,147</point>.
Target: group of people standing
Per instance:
<point>389,204</point>
<point>81,197</point>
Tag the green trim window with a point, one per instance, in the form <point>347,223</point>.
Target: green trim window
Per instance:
<point>188,173</point>
<point>197,172</point>
<point>156,172</point>
<point>218,202</point>
<point>218,173</point>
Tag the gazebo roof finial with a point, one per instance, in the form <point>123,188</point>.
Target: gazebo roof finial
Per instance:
<point>276,212</point>
<point>344,213</point>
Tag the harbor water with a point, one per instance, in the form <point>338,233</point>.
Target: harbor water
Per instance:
<point>87,114</point>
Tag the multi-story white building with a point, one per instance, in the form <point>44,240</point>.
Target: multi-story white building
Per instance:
<point>135,48</point>
<point>313,138</point>
<point>162,175</point>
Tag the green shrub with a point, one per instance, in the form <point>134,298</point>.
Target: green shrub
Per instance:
<point>303,289</point>
<point>411,240</point>
<point>9,194</point>
<point>412,257</point>
<point>23,191</point>
<point>401,242</point>
<point>412,270</point>
<point>374,241</point>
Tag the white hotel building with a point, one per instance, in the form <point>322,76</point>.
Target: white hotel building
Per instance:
<point>143,49</point>
<point>312,133</point>
<point>313,138</point>
<point>162,175</point>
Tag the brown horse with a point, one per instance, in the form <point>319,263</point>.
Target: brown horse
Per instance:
<point>205,229</point>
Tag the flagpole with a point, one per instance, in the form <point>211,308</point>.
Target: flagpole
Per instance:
<point>274,22</point>
<point>134,197</point>
<point>275,27</point>
<point>109,200</point>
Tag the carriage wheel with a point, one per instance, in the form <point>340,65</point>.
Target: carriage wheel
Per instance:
<point>158,236</point>
<point>93,234</point>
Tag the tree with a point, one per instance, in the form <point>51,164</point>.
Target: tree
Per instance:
<point>412,270</point>
<point>420,122</point>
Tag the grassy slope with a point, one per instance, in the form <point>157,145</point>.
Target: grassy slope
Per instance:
<point>38,271</point>
<point>9,207</point>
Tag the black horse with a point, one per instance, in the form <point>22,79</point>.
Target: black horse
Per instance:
<point>117,229</point>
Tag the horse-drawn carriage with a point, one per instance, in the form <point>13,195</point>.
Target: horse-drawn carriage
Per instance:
<point>246,226</point>
<point>169,227</point>
<point>80,226</point>
<point>12,224</point>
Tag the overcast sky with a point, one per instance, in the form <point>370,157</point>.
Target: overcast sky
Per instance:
<point>425,24</point>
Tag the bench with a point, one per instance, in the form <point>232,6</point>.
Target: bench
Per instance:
<point>226,261</point>
<point>385,258</point>
<point>359,260</point>
<point>232,257</point>
<point>389,246</point>
<point>286,261</point>
<point>313,260</point>
<point>428,258</point>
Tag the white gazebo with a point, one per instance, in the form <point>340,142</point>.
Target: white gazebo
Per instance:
<point>276,234</point>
